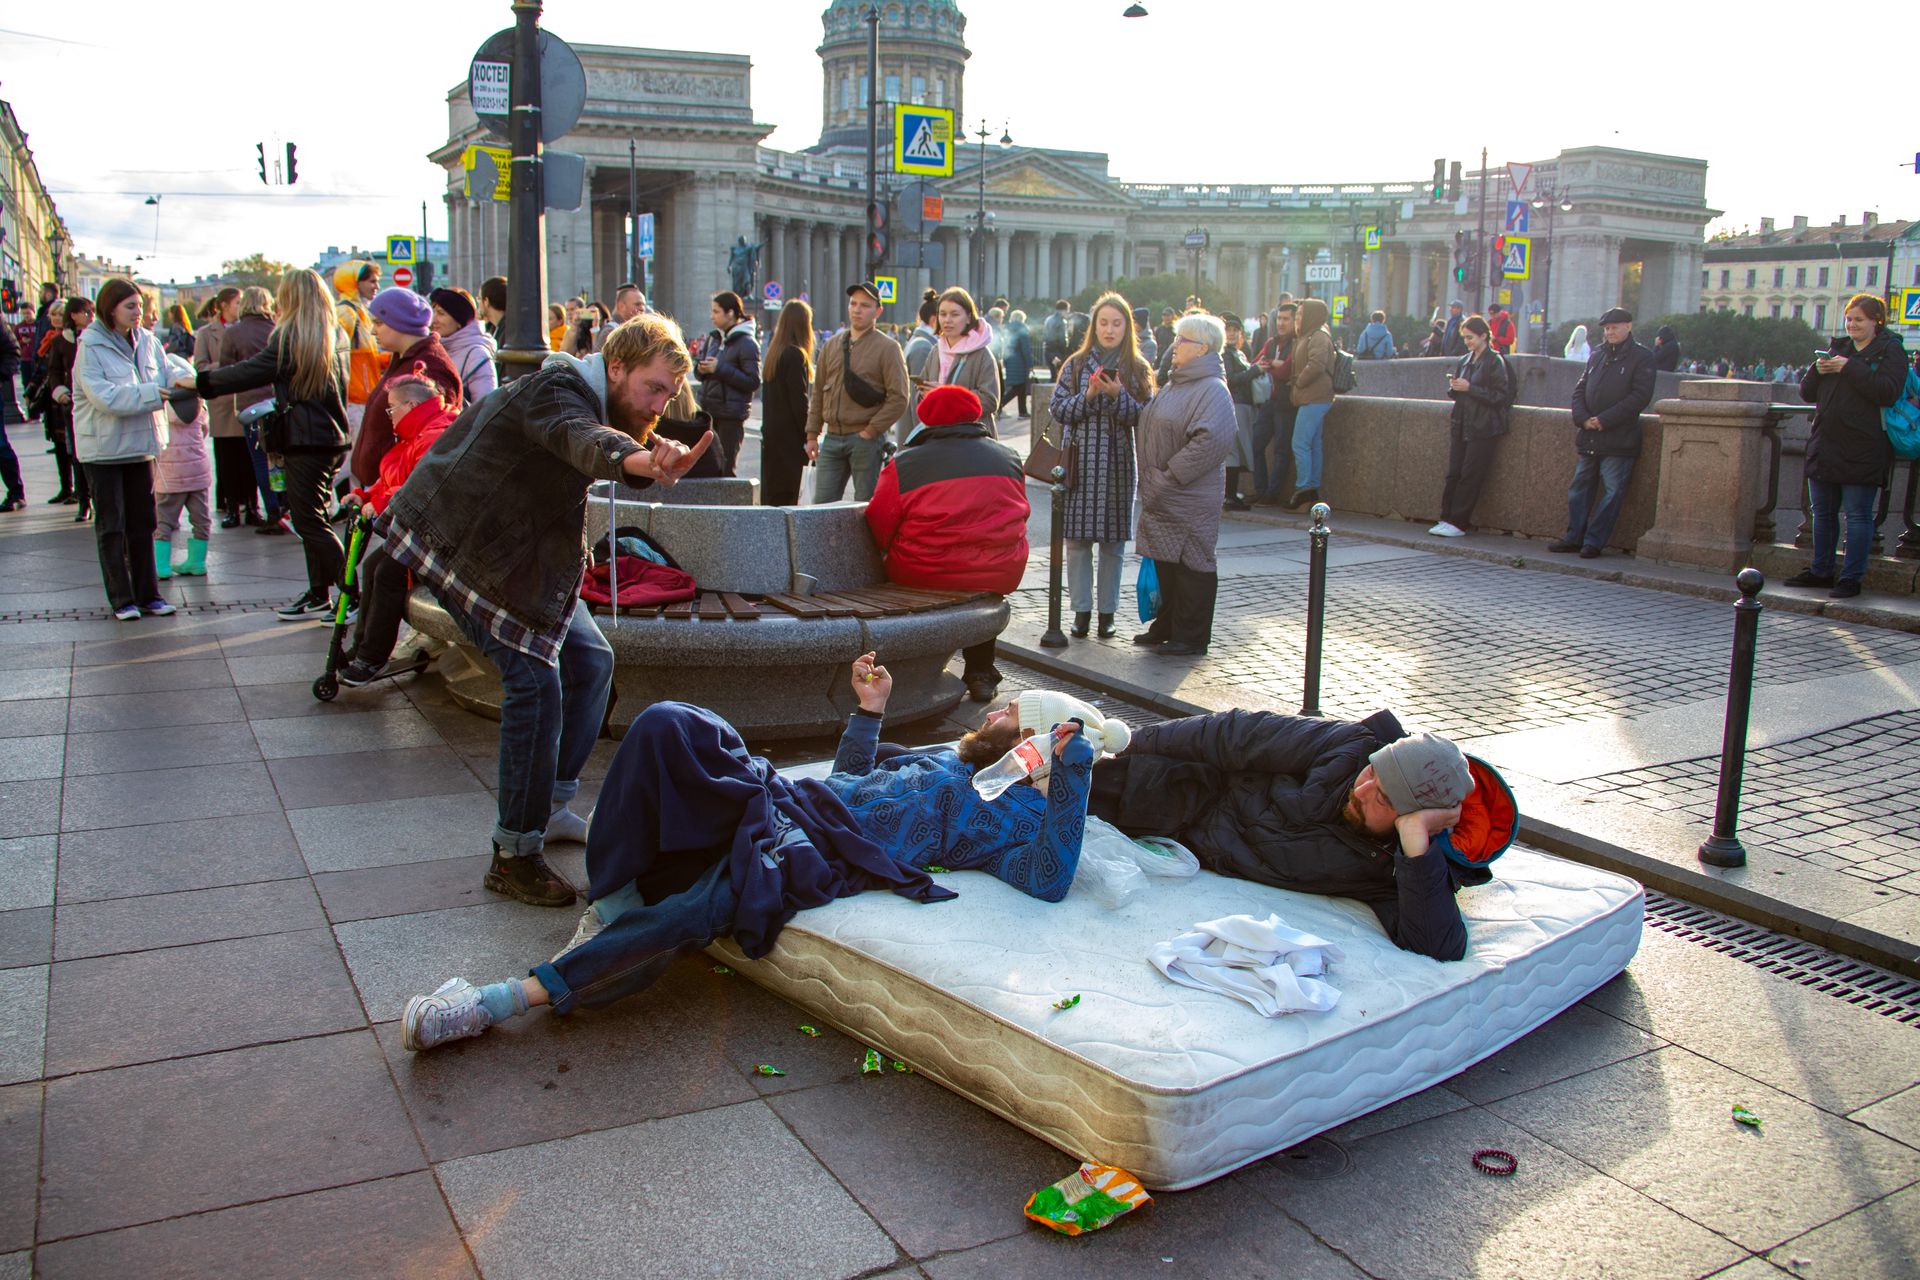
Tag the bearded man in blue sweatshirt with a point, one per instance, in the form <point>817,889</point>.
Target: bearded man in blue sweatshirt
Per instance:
<point>694,838</point>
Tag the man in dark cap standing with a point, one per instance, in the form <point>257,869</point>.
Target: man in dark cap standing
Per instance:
<point>1608,400</point>
<point>859,390</point>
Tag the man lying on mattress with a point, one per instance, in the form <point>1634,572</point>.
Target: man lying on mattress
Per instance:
<point>1359,810</point>
<point>695,839</point>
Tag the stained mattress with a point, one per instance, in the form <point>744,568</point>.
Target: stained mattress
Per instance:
<point>1176,1085</point>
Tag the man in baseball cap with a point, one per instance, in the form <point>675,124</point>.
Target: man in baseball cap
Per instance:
<point>1357,809</point>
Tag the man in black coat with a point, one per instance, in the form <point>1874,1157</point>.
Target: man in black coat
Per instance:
<point>1354,809</point>
<point>1608,400</point>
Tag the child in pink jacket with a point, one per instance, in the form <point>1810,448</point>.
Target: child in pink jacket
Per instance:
<point>182,477</point>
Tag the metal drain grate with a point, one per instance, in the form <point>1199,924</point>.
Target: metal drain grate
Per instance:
<point>1841,977</point>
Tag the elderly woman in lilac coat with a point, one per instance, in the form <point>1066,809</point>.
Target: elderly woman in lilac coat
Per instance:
<point>1183,441</point>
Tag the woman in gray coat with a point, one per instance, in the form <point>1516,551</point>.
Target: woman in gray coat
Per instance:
<point>1185,436</point>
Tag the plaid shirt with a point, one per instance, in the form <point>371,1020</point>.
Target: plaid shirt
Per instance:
<point>411,550</point>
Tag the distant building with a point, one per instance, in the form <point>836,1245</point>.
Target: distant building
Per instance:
<point>35,248</point>
<point>90,273</point>
<point>1804,272</point>
<point>434,251</point>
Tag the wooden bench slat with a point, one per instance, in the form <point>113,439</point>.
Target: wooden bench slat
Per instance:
<point>712,608</point>
<point>798,606</point>
<point>740,607</point>
<point>844,607</point>
<point>679,609</point>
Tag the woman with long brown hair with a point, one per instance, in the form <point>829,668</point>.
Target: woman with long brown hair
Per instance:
<point>1097,401</point>
<point>786,376</point>
<point>963,354</point>
<point>305,362</point>
<point>58,393</point>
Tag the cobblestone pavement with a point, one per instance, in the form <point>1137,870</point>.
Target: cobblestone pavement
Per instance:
<point>1843,799</point>
<point>1471,648</point>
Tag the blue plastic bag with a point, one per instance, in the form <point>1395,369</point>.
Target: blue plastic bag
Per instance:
<point>1147,588</point>
<point>1903,419</point>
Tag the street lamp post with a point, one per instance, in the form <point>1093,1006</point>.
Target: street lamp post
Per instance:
<point>1548,200</point>
<point>980,218</point>
<point>526,273</point>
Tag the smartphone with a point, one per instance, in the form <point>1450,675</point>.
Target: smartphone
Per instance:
<point>1822,355</point>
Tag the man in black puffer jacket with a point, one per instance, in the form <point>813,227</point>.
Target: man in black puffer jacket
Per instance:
<point>1607,403</point>
<point>729,371</point>
<point>1350,809</point>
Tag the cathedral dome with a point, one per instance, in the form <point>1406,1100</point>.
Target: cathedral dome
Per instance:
<point>923,55</point>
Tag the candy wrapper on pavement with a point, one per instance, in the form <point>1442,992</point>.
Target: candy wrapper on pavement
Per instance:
<point>1087,1199</point>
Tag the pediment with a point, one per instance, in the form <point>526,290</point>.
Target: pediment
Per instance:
<point>1029,180</point>
<point>1034,175</point>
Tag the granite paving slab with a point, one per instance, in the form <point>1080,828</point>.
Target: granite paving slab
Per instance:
<point>1898,1117</point>
<point>19,1164</point>
<point>277,668</point>
<point>1661,1123</point>
<point>170,675</point>
<point>1878,1242</point>
<point>310,736</point>
<point>397,957</point>
<point>26,937</point>
<point>538,1212</point>
<point>1428,1103</point>
<point>381,1230</point>
<point>165,796</point>
<point>38,756</point>
<point>23,1023</point>
<point>142,1143</point>
<point>1225,1228</point>
<point>19,683</point>
<point>29,808</point>
<point>295,698</point>
<point>133,750</point>
<point>389,832</point>
<point>1555,1220</point>
<point>26,871</point>
<point>170,639</point>
<point>16,1266</point>
<point>121,711</point>
<point>119,862</point>
<point>1577,1040</point>
<point>353,777</point>
<point>112,1011</point>
<point>540,1076</point>
<point>410,887</point>
<point>898,1143</point>
<point>34,717</point>
<point>755,1026</point>
<point>117,925</point>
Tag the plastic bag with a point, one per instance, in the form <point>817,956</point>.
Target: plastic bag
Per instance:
<point>1168,859</point>
<point>1086,1199</point>
<point>1146,589</point>
<point>1109,869</point>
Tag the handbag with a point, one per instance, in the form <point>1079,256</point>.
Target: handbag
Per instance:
<point>1043,456</point>
<point>1146,589</point>
<point>864,393</point>
<point>1262,388</point>
<point>1902,419</point>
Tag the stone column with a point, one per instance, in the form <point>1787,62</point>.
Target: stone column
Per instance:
<point>1418,268</point>
<point>1003,263</point>
<point>805,275</point>
<point>1713,455</point>
<point>826,298</point>
<point>1079,263</point>
<point>1044,246</point>
<point>776,251</point>
<point>1212,271</point>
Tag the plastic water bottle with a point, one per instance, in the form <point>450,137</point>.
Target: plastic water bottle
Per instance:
<point>1027,755</point>
<point>276,474</point>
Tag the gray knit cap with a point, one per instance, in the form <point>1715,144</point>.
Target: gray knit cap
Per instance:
<point>1422,772</point>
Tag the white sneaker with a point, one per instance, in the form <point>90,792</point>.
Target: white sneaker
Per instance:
<point>564,824</point>
<point>589,927</point>
<point>1447,529</point>
<point>128,613</point>
<point>454,1012</point>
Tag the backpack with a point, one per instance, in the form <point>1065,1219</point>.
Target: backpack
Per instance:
<point>1902,419</point>
<point>1344,371</point>
<point>1513,385</point>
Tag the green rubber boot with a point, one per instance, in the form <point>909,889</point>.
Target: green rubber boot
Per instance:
<point>162,558</point>
<point>195,565</point>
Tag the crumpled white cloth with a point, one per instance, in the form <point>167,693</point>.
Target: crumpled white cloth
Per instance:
<point>1269,966</point>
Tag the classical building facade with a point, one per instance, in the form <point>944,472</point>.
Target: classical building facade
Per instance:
<point>1804,272</point>
<point>35,248</point>
<point>1057,222</point>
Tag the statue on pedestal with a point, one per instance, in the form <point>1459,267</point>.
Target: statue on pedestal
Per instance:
<point>743,266</point>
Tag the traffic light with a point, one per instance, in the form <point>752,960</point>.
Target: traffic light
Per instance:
<point>260,153</point>
<point>1453,182</point>
<point>1499,246</point>
<point>293,174</point>
<point>880,243</point>
<point>1462,257</point>
<point>1439,178</point>
<point>423,276</point>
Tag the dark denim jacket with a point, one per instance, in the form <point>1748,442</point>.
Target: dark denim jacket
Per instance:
<point>502,495</point>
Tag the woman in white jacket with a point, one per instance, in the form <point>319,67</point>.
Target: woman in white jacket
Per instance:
<point>121,383</point>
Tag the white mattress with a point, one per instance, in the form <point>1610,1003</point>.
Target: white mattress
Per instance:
<point>1175,1085</point>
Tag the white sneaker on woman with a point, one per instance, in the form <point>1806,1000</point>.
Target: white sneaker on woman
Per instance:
<point>1447,529</point>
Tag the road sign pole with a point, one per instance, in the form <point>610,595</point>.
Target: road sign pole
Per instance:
<point>633,215</point>
<point>1480,243</point>
<point>873,141</point>
<point>526,263</point>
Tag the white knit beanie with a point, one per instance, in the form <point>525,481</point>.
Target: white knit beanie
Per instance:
<point>1041,709</point>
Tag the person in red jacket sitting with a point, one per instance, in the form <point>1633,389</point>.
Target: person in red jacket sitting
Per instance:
<point>950,512</point>
<point>419,416</point>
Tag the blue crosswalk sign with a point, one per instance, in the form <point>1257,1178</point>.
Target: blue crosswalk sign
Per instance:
<point>1910,306</point>
<point>1519,214</point>
<point>399,251</point>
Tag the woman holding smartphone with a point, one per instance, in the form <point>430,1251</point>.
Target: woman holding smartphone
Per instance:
<point>1848,453</point>
<point>963,354</point>
<point>1097,401</point>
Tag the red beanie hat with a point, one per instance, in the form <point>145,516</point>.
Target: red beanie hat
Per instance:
<point>947,405</point>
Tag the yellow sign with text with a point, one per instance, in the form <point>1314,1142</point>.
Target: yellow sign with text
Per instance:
<point>488,172</point>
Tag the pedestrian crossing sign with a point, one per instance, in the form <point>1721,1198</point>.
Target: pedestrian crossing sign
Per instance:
<point>889,287</point>
<point>1516,262</point>
<point>1373,237</point>
<point>1910,306</point>
<point>399,251</point>
<point>923,140</point>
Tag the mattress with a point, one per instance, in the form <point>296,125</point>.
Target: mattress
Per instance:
<point>1179,1086</point>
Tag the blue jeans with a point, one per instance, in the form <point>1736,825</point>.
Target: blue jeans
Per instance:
<point>842,456</point>
<point>1272,421</point>
<point>1307,422</point>
<point>1828,502</point>
<point>270,502</point>
<point>1080,574</point>
<point>1588,523</point>
<point>631,953</point>
<point>549,719</point>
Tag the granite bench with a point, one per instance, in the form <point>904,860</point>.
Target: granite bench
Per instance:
<point>790,597</point>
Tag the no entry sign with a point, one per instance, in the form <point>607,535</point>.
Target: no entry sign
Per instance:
<point>403,276</point>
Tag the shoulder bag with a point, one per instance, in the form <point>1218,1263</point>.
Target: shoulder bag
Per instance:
<point>864,393</point>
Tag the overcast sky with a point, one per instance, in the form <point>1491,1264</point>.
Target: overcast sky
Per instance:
<point>125,100</point>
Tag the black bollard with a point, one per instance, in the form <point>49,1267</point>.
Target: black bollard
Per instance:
<point>1316,608</point>
<point>1055,637</point>
<point>1723,848</point>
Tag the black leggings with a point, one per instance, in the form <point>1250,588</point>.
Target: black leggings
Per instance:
<point>123,524</point>
<point>382,582</point>
<point>309,487</point>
